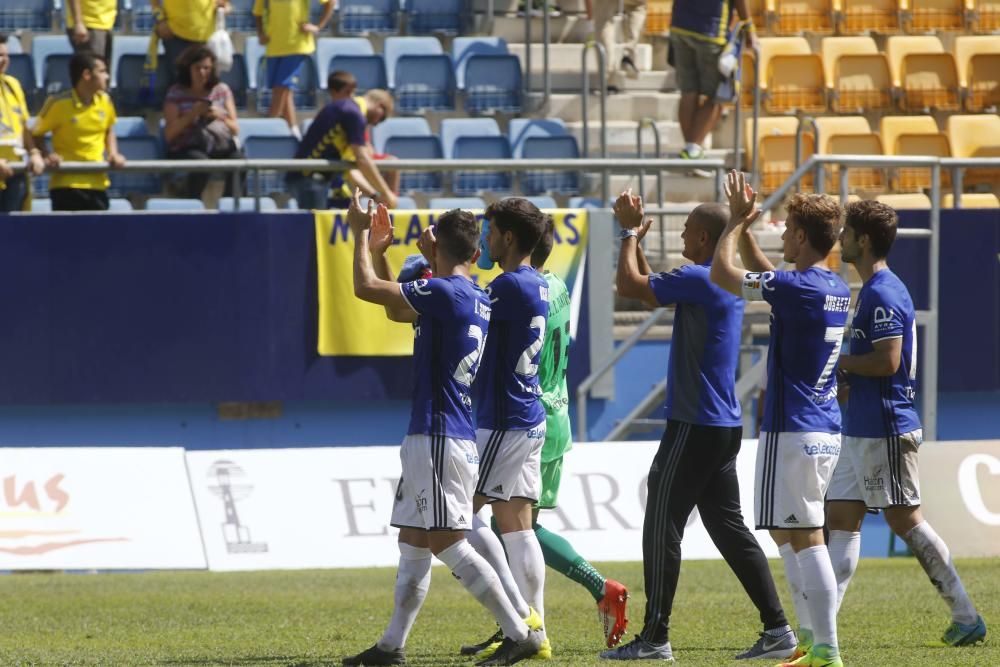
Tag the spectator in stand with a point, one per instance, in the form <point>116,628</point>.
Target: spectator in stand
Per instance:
<point>290,39</point>
<point>199,118</point>
<point>15,138</point>
<point>181,24</point>
<point>338,133</point>
<point>89,24</point>
<point>603,13</point>
<point>698,35</point>
<point>82,122</point>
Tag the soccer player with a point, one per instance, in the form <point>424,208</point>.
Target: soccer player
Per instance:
<point>510,415</point>
<point>695,465</point>
<point>800,434</point>
<point>882,435</point>
<point>433,506</point>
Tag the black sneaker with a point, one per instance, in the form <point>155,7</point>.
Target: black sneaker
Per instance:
<point>511,651</point>
<point>476,649</point>
<point>629,66</point>
<point>377,656</point>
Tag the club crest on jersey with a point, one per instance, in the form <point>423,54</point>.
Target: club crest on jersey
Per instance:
<point>420,287</point>
<point>543,292</point>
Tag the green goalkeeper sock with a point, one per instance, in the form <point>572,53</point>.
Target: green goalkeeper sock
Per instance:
<point>563,558</point>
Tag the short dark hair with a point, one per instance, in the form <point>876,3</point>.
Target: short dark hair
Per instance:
<point>544,246</point>
<point>191,55</point>
<point>3,38</point>
<point>339,80</point>
<point>819,216</point>
<point>875,220</point>
<point>713,218</point>
<point>520,217</point>
<point>80,62</point>
<point>457,234</point>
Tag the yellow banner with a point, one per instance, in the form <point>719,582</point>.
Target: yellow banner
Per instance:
<point>351,327</point>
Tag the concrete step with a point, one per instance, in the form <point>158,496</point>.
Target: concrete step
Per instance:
<point>629,106</point>
<point>568,57</point>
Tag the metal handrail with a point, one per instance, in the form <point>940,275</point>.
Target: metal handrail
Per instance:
<point>651,124</point>
<point>738,116</point>
<point>585,95</point>
<point>754,161</point>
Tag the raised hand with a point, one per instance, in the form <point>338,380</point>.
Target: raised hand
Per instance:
<point>358,219</point>
<point>644,228</point>
<point>742,198</point>
<point>426,244</point>
<point>380,237</point>
<point>628,209</point>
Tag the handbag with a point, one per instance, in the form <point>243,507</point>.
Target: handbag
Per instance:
<point>220,43</point>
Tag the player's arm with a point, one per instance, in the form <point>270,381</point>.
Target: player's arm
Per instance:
<point>368,286</point>
<point>380,238</point>
<point>366,165</point>
<point>882,361</point>
<point>632,279</point>
<point>752,256</point>
<point>725,273</point>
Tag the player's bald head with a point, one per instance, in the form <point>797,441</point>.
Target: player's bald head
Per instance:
<point>711,219</point>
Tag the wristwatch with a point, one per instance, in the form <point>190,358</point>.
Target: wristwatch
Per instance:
<point>625,233</point>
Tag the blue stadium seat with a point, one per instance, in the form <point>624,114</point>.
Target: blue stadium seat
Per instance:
<point>543,201</point>
<point>522,128</point>
<point>21,68</point>
<point>14,44</point>
<point>493,83</point>
<point>463,48</point>
<point>131,45</point>
<point>228,204</point>
<point>34,15</point>
<point>397,47</point>
<point>360,17</point>
<point>237,80</point>
<point>453,128</point>
<point>398,127</point>
<point>44,46</point>
<point>424,83</point>
<point>328,47</point>
<point>586,202</point>
<point>131,126</point>
<point>304,86</point>
<point>544,138</point>
<point>448,203</point>
<point>269,148</point>
<point>140,15</point>
<point>426,147</point>
<point>263,127</point>
<point>56,77</point>
<point>119,204</point>
<point>405,204</point>
<point>41,205</point>
<point>424,17</point>
<point>369,70</point>
<point>481,148</point>
<point>130,96</point>
<point>136,148</point>
<point>240,16</point>
<point>171,204</point>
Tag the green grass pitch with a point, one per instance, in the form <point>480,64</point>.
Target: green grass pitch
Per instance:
<point>306,618</point>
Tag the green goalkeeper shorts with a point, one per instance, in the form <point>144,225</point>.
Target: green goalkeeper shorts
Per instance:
<point>551,476</point>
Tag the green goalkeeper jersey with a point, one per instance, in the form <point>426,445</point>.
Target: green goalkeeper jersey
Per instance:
<point>552,371</point>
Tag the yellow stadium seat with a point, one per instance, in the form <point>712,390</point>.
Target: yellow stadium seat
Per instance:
<point>770,47</point>
<point>777,150</point>
<point>857,16</point>
<point>891,127</point>
<point>792,17</point>
<point>978,60</point>
<point>857,75</point>
<point>760,12</point>
<point>910,179</point>
<point>986,16</point>
<point>930,15</point>
<point>858,178</point>
<point>926,75</point>
<point>831,126</point>
<point>976,136</point>
<point>916,201</point>
<point>658,15</point>
<point>792,76</point>
<point>832,48</point>
<point>972,200</point>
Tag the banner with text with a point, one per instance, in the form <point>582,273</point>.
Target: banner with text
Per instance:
<point>97,508</point>
<point>351,327</point>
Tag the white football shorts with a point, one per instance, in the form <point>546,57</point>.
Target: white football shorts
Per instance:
<point>880,472</point>
<point>793,472</point>
<point>510,463</point>
<point>437,483</point>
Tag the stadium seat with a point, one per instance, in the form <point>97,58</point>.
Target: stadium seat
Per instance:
<point>56,78</point>
<point>544,138</point>
<point>859,178</point>
<point>171,204</point>
<point>14,44</point>
<point>986,16</point>
<point>863,16</point>
<point>240,16</point>
<point>543,202</point>
<point>328,47</point>
<point>398,127</point>
<point>890,127</point>
<point>369,70</point>
<point>136,148</point>
<point>463,48</point>
<point>123,45</point>
<point>931,15</point>
<point>910,179</point>
<point>658,13</point>
<point>360,17</point>
<point>918,201</point>
<point>475,138</point>
<point>424,17</point>
<point>41,205</point>
<point>925,74</point>
<point>520,129</point>
<point>238,80</point>
<point>792,17</point>
<point>497,84</point>
<point>795,71</point>
<point>976,136</point>
<point>263,127</point>
<point>34,15</point>
<point>857,75</point>
<point>21,68</point>
<point>140,16</point>
<point>978,60</point>
<point>228,204</point>
<point>131,126</point>
<point>119,204</point>
<point>130,97</point>
<point>972,200</point>
<point>776,144</point>
<point>405,204</point>
<point>397,47</point>
<point>831,126</point>
<point>449,203</point>
<point>44,46</point>
<point>424,83</point>
<point>269,148</point>
<point>586,202</point>
<point>304,86</point>
<point>417,147</point>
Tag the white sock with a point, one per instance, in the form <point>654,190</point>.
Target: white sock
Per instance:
<point>692,148</point>
<point>845,549</point>
<point>528,566</point>
<point>481,580</point>
<point>795,584</point>
<point>413,578</point>
<point>819,586</point>
<point>934,557</point>
<point>488,545</point>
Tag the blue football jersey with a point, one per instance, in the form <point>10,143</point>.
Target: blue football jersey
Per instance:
<point>808,315</point>
<point>879,407</point>
<point>508,393</point>
<point>451,330</point>
<point>701,381</point>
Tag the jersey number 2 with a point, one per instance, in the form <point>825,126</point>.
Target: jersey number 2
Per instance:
<point>466,370</point>
<point>526,365</point>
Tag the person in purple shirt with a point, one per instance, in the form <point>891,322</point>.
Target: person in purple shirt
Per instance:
<point>882,434</point>
<point>695,465</point>
<point>800,434</point>
<point>434,500</point>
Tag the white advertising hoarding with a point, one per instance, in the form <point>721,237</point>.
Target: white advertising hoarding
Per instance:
<point>67,508</point>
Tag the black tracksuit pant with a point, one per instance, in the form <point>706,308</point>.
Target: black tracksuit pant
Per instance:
<point>695,466</point>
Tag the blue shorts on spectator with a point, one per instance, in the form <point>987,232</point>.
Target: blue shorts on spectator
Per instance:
<point>283,70</point>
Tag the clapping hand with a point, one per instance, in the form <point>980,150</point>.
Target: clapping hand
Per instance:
<point>359,220</point>
<point>380,237</point>
<point>742,199</point>
<point>629,211</point>
<point>425,244</point>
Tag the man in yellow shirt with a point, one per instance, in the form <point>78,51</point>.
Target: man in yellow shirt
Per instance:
<point>183,23</point>
<point>82,123</point>
<point>15,138</point>
<point>283,26</point>
<point>89,25</point>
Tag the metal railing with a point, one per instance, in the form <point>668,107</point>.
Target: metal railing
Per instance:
<point>738,117</point>
<point>584,104</point>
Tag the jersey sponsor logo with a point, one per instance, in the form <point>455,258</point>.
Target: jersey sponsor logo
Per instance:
<point>821,449</point>
<point>857,334</point>
<point>820,399</point>
<point>472,458</point>
<point>874,483</point>
<point>837,304</point>
<point>422,501</point>
<point>536,433</point>
<point>881,315</point>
